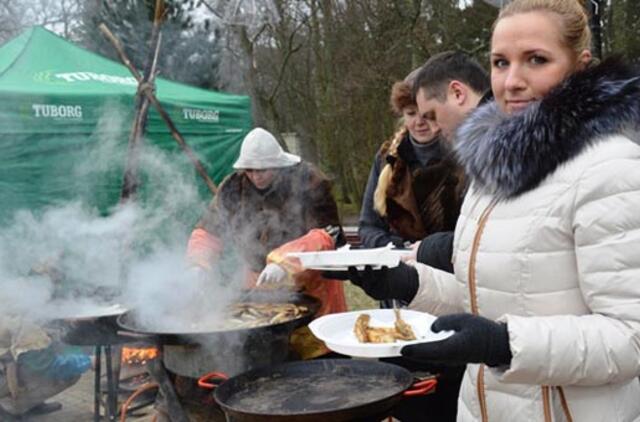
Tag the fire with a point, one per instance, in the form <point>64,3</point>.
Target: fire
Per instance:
<point>140,356</point>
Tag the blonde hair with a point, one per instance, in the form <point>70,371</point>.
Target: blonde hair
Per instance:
<point>575,21</point>
<point>384,180</point>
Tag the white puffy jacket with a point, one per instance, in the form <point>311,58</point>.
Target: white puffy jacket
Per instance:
<point>558,260</point>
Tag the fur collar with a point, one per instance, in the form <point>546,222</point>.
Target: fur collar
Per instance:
<point>508,155</point>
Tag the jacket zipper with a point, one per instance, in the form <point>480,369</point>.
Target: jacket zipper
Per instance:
<point>474,252</point>
<point>482,400</point>
<point>565,405</point>
<point>546,405</point>
<point>482,221</point>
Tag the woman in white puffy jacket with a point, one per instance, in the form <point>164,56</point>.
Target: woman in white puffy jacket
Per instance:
<point>545,301</point>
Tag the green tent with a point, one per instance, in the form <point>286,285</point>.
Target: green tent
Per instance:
<point>60,101</point>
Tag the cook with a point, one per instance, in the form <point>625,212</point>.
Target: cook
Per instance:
<point>272,204</point>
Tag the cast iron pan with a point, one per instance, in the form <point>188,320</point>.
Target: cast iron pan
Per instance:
<point>322,390</point>
<point>129,322</point>
<point>87,330</point>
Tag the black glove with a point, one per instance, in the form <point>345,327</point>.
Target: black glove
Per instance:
<point>399,282</point>
<point>476,340</point>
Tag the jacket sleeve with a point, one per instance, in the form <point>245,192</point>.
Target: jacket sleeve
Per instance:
<point>321,206</point>
<point>54,365</point>
<point>203,248</point>
<point>205,242</point>
<point>69,366</point>
<point>374,232</point>
<point>315,240</point>
<point>436,250</point>
<point>604,346</point>
<point>439,292</point>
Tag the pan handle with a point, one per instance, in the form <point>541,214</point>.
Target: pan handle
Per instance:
<point>204,381</point>
<point>421,388</point>
<point>125,333</point>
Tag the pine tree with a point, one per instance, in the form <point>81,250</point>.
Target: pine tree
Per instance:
<point>189,50</point>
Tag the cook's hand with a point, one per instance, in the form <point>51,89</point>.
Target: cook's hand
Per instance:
<point>414,252</point>
<point>272,274</point>
<point>476,340</point>
<point>400,282</point>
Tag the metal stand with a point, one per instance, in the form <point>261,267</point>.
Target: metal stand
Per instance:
<point>101,333</point>
<point>96,384</point>
<point>159,373</point>
<point>113,375</point>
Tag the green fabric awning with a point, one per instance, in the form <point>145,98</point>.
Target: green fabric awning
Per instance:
<point>59,101</point>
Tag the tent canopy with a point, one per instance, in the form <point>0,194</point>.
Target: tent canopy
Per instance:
<point>60,101</point>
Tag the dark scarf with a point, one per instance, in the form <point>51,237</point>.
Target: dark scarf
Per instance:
<point>506,155</point>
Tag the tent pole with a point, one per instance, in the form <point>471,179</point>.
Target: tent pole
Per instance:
<point>154,101</point>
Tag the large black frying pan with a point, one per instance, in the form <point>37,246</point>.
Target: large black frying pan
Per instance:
<point>88,327</point>
<point>129,322</point>
<point>322,390</point>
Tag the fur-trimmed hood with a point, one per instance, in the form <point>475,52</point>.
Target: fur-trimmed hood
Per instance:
<point>506,155</point>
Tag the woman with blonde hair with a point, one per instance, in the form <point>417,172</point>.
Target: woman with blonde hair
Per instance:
<point>414,190</point>
<point>545,300</point>
<point>415,186</point>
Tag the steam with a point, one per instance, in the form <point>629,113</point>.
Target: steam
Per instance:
<point>71,260</point>
<point>134,256</point>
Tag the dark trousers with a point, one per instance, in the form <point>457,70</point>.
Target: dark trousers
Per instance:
<point>439,406</point>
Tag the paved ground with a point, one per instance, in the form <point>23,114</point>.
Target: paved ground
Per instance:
<point>77,405</point>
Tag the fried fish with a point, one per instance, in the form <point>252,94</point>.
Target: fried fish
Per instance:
<point>368,334</point>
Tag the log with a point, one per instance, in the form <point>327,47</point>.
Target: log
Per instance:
<point>157,370</point>
<point>131,182</point>
<point>163,114</point>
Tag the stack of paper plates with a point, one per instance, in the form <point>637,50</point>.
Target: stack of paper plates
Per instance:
<point>341,259</point>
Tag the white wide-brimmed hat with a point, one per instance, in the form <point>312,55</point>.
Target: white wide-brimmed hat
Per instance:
<point>260,150</point>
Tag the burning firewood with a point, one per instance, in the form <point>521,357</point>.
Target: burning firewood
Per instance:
<point>133,355</point>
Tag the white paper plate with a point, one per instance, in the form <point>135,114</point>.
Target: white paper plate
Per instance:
<point>341,268</point>
<point>343,258</point>
<point>336,330</point>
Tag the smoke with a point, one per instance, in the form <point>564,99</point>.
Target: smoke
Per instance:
<point>170,296</point>
<point>72,246</point>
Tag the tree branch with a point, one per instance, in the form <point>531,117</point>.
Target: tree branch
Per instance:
<point>290,52</point>
<point>154,101</point>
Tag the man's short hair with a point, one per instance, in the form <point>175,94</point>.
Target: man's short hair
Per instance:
<point>434,76</point>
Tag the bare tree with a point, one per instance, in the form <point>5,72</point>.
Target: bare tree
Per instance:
<point>324,69</point>
<point>10,19</point>
<point>60,16</point>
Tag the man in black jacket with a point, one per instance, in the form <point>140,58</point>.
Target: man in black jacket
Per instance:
<point>446,88</point>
